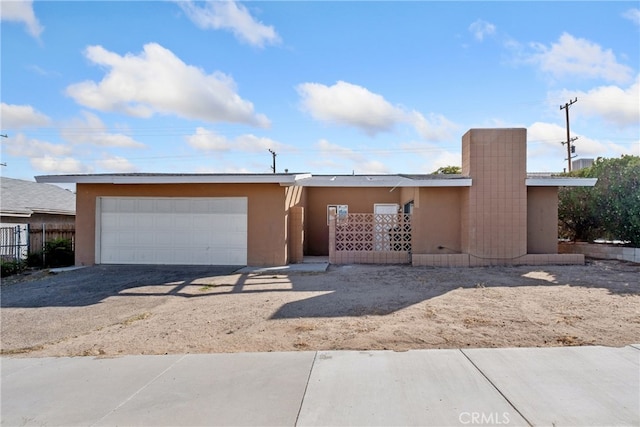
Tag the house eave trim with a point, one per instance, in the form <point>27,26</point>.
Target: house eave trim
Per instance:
<point>561,182</point>
<point>289,179</point>
<point>466,182</point>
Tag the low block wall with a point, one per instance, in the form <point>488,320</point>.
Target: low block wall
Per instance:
<point>466,260</point>
<point>601,251</point>
<point>369,257</point>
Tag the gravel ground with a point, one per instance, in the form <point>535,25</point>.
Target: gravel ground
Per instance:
<point>116,310</point>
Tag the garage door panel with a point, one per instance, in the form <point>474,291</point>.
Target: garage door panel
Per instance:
<point>203,231</point>
<point>235,240</point>
<point>235,256</point>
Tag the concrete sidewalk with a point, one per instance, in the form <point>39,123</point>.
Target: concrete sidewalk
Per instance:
<point>574,386</point>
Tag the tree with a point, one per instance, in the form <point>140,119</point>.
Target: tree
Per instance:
<point>611,209</point>
<point>449,170</point>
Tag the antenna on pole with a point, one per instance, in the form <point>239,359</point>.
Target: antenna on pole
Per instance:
<point>570,149</point>
<point>273,154</point>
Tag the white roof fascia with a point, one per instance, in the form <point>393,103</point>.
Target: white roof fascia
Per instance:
<point>452,182</point>
<point>169,179</point>
<point>561,182</point>
<point>462,182</point>
<point>16,214</point>
<point>53,211</point>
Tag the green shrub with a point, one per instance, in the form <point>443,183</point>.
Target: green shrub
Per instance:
<point>609,210</point>
<point>34,259</point>
<point>59,253</point>
<point>9,268</point>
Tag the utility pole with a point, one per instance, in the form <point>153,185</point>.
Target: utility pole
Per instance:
<point>4,163</point>
<point>570,149</point>
<point>273,154</point>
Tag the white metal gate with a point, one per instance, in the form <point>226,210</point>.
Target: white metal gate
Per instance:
<point>14,242</point>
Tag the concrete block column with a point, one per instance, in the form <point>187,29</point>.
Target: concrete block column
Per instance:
<point>494,212</point>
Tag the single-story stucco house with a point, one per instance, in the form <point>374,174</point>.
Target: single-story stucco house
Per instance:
<point>491,214</point>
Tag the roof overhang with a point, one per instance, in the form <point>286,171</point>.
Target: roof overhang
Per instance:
<point>54,211</point>
<point>16,214</point>
<point>385,181</point>
<point>300,179</point>
<point>282,179</point>
<point>561,182</point>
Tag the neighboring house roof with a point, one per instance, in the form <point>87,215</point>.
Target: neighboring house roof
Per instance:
<point>19,198</point>
<point>308,180</point>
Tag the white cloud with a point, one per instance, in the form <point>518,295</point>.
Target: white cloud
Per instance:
<point>116,164</point>
<point>207,140</point>
<point>91,130</point>
<point>20,145</point>
<point>341,158</point>
<point>632,15</point>
<point>427,158</point>
<point>348,104</point>
<point>21,116</point>
<point>58,165</point>
<point>613,104</point>
<point>254,143</point>
<point>544,142</point>
<point>21,11</point>
<point>371,167</point>
<point>337,151</point>
<point>225,169</point>
<point>232,16</point>
<point>545,139</point>
<point>572,56</point>
<point>481,28</point>
<point>352,105</point>
<point>157,81</point>
<point>434,128</point>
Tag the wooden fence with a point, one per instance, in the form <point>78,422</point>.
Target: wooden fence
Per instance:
<point>39,234</point>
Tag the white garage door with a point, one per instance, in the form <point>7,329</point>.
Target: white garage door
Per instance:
<point>171,230</point>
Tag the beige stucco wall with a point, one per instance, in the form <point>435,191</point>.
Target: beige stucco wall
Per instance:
<point>542,220</point>
<point>359,200</point>
<point>436,221</point>
<point>267,219</point>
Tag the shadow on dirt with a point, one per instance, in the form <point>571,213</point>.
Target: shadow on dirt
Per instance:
<point>91,285</point>
<point>339,293</point>
<point>384,296</point>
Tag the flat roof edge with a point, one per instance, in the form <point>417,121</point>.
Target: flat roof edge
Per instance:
<point>172,179</point>
<point>561,182</point>
<point>464,182</point>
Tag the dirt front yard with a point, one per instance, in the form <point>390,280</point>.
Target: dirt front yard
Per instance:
<point>116,310</point>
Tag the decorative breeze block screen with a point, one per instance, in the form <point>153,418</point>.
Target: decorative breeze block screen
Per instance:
<point>374,232</point>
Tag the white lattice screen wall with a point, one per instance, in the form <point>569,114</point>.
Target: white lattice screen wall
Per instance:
<point>374,232</point>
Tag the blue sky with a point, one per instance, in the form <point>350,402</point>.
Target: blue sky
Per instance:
<point>331,87</point>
